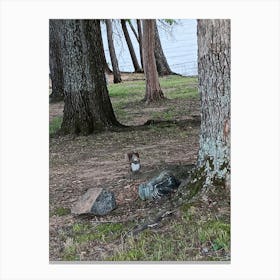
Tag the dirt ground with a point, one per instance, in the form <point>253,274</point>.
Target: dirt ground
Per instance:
<point>99,160</point>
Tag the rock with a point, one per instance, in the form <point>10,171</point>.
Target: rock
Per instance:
<point>165,183</point>
<point>97,201</point>
<point>205,250</point>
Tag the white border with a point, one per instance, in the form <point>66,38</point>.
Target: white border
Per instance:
<point>24,138</point>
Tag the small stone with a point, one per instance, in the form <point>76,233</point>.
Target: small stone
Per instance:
<point>97,201</point>
<point>205,250</point>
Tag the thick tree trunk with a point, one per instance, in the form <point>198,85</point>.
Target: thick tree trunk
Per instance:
<point>214,65</point>
<point>153,90</point>
<point>56,71</point>
<point>115,65</point>
<point>162,65</point>
<point>140,36</point>
<point>136,66</point>
<point>87,105</point>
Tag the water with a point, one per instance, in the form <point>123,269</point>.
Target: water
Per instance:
<point>179,44</point>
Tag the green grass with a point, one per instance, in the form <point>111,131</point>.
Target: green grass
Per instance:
<point>103,232</point>
<point>55,125</point>
<point>61,211</point>
<point>70,253</point>
<point>217,233</point>
<point>127,89</point>
<point>182,240</point>
<point>83,233</point>
<point>165,115</point>
<point>179,87</point>
<point>179,239</point>
<point>126,98</point>
<point>172,86</point>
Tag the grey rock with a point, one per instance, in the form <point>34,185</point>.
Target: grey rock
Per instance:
<point>97,201</point>
<point>164,184</point>
<point>205,250</point>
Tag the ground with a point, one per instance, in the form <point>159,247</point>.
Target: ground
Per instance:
<point>200,227</point>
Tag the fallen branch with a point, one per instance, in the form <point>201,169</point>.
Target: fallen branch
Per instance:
<point>154,222</point>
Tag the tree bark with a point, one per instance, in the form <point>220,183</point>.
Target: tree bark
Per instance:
<point>56,71</point>
<point>136,66</point>
<point>87,105</point>
<point>162,65</point>
<point>153,90</point>
<point>140,36</point>
<point>115,65</point>
<point>214,64</point>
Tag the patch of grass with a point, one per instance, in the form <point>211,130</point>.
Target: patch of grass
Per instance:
<point>78,228</point>
<point>127,89</point>
<point>172,86</point>
<point>166,115</point>
<point>126,98</point>
<point>182,93</point>
<point>174,80</point>
<point>179,87</point>
<point>171,245</point>
<point>83,233</point>
<point>104,232</point>
<point>181,239</point>
<point>55,125</point>
<point>170,129</point>
<point>217,233</point>
<point>61,211</point>
<point>110,228</point>
<point>70,252</point>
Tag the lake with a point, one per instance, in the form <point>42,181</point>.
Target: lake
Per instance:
<point>179,43</point>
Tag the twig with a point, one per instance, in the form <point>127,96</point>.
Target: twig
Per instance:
<point>154,222</point>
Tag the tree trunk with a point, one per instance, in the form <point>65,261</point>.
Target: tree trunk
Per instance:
<point>162,65</point>
<point>56,72</point>
<point>214,65</point>
<point>115,65</point>
<point>153,90</point>
<point>104,62</point>
<point>140,36</point>
<point>87,105</point>
<point>106,66</point>
<point>133,30</point>
<point>130,48</point>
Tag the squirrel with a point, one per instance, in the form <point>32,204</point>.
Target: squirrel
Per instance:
<point>134,161</point>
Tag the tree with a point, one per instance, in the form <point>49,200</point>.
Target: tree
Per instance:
<point>153,90</point>
<point>214,88</point>
<point>87,105</point>
<point>115,65</point>
<point>136,66</point>
<point>104,62</point>
<point>56,72</point>
<point>140,36</point>
<point>137,36</point>
<point>161,62</point>
<point>133,29</point>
